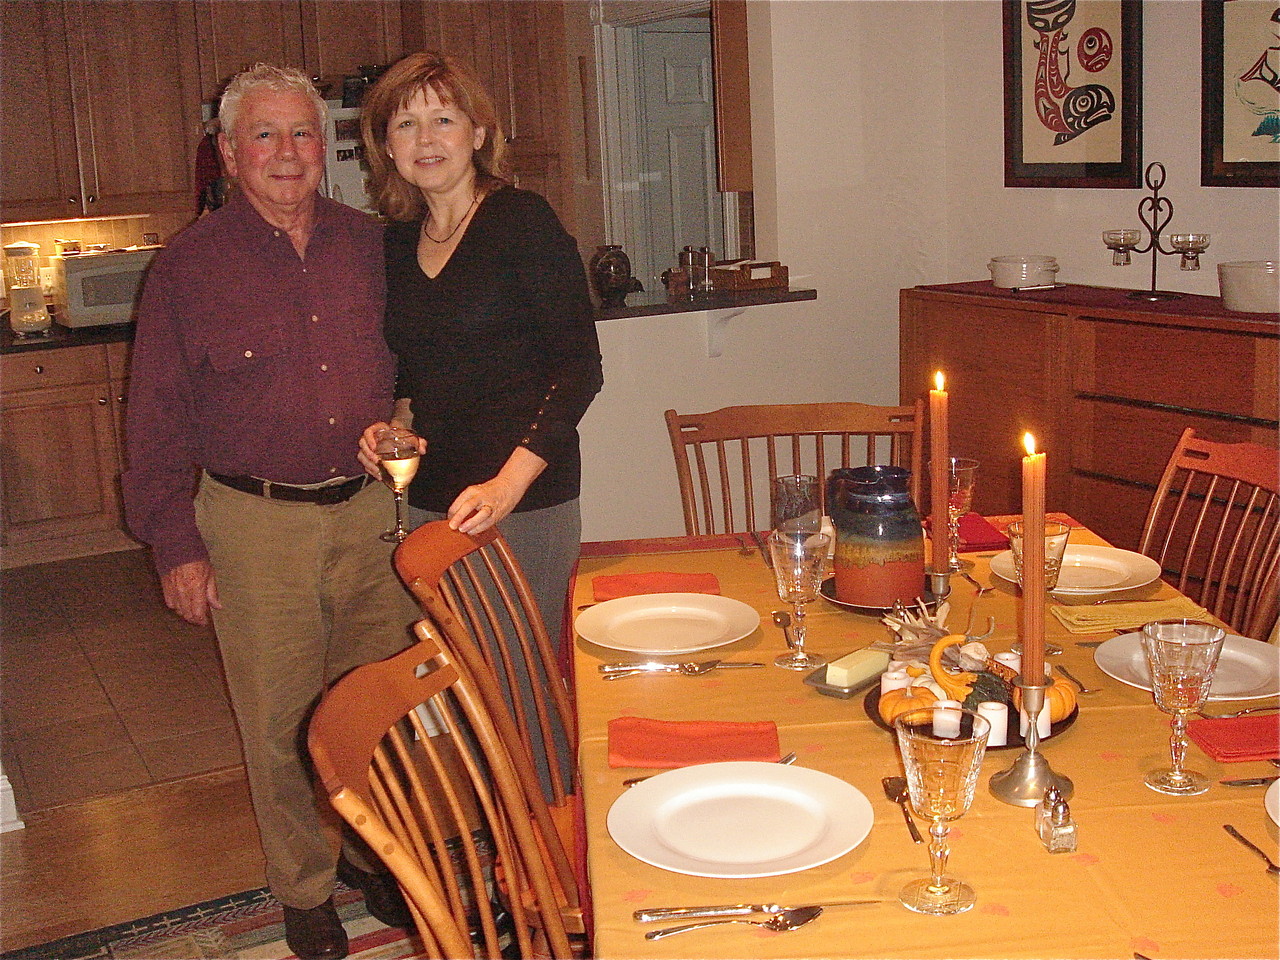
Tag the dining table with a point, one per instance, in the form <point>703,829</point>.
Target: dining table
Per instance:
<point>1151,876</point>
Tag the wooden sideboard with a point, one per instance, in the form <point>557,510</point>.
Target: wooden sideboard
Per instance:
<point>1104,382</point>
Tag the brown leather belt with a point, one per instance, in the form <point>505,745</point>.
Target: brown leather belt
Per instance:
<point>324,496</point>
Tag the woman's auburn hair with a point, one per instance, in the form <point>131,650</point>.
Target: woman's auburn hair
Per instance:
<point>456,85</point>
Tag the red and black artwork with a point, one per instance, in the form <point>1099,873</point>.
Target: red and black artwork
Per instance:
<point>1065,109</point>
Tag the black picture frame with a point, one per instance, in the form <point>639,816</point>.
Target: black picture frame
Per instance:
<point>1215,170</point>
<point>1120,170</point>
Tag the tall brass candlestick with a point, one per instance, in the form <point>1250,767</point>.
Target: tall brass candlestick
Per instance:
<point>939,483</point>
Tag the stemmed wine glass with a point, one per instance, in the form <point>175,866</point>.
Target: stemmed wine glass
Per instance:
<point>795,503</point>
<point>1181,655</point>
<point>961,473</point>
<point>942,751</point>
<point>397,450</point>
<point>799,560</point>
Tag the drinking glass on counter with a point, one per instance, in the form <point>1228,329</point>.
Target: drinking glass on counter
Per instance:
<point>799,561</point>
<point>942,762</point>
<point>397,450</point>
<point>1182,656</point>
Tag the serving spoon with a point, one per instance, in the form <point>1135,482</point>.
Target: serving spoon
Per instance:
<point>780,922</point>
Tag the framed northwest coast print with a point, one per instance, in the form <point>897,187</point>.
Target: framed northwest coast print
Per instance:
<point>1072,93</point>
<point>1240,99</point>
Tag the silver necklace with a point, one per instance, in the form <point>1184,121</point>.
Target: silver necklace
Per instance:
<point>456,227</point>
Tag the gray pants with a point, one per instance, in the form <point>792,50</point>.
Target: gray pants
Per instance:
<point>308,593</point>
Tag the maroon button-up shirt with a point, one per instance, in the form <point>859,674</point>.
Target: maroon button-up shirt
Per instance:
<point>252,360</point>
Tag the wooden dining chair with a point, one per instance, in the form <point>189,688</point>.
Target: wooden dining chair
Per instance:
<point>725,458</point>
<point>1214,528</point>
<point>413,761</point>
<point>473,590</point>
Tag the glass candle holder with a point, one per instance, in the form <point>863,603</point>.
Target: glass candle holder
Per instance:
<point>1121,244</point>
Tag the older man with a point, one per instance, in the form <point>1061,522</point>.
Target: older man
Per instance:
<point>259,358</point>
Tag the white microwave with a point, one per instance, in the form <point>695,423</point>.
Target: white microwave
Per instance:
<point>98,288</point>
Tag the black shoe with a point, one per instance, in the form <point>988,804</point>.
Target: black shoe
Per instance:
<point>315,934</point>
<point>382,894</point>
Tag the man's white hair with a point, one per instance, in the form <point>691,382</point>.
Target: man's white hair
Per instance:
<point>264,76</point>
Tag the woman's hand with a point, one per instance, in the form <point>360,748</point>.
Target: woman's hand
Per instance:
<point>369,441</point>
<point>481,505</point>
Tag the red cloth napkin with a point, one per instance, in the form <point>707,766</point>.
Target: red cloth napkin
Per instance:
<point>977,533</point>
<point>614,585</point>
<point>1236,739</point>
<point>641,742</point>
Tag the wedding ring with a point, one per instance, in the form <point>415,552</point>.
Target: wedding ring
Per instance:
<point>485,506</point>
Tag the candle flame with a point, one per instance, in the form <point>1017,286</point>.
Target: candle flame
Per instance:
<point>1029,442</point>
<point>939,381</point>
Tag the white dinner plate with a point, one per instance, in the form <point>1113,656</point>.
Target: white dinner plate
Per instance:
<point>661,623</point>
<point>740,819</point>
<point>1247,669</point>
<point>1271,800</point>
<point>1088,569</point>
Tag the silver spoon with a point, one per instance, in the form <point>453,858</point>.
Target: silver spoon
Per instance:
<point>1239,713</point>
<point>1074,679</point>
<point>789,759</point>
<point>782,619</point>
<point>786,920</point>
<point>982,591</point>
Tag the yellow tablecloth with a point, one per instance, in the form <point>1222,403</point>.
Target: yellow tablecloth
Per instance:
<point>1154,875</point>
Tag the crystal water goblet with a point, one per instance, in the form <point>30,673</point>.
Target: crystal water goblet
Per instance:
<point>799,561</point>
<point>961,476</point>
<point>1182,656</point>
<point>795,503</point>
<point>942,758</point>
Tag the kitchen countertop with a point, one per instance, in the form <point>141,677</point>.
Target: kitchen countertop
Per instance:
<point>60,336</point>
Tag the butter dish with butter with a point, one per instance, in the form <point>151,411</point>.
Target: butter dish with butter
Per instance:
<point>852,673</point>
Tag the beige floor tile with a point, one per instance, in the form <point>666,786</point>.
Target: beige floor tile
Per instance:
<point>49,673</point>
<point>149,688</point>
<point>62,781</point>
<point>72,738</point>
<point>24,711</point>
<point>191,754</point>
<point>171,718</point>
<point>51,645</point>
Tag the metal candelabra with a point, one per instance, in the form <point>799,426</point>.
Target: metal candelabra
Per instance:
<point>1155,212</point>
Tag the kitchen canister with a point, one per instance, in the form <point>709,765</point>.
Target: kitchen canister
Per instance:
<point>1250,286</point>
<point>1015,272</point>
<point>879,556</point>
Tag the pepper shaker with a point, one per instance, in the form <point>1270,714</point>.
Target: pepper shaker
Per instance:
<point>1058,832</point>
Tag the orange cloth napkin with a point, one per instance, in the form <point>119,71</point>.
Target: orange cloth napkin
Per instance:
<point>641,742</point>
<point>615,585</point>
<point>1236,739</point>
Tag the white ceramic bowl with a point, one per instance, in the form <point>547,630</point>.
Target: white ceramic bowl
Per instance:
<point>1250,286</point>
<point>1011,272</point>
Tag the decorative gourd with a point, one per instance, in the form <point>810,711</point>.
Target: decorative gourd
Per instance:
<point>987,686</point>
<point>956,685</point>
<point>1059,700</point>
<point>899,701</point>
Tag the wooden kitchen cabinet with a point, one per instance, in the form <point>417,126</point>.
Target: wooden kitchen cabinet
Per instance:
<point>100,108</point>
<point>61,454</point>
<point>1106,384</point>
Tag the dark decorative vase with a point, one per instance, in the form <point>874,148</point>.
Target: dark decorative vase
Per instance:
<point>879,555</point>
<point>610,270</point>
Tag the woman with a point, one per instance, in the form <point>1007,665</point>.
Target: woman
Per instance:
<point>489,317</point>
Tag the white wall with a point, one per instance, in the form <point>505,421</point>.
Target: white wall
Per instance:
<point>879,164</point>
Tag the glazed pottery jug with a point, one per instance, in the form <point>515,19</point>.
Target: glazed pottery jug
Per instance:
<point>879,556</point>
<point>610,271</point>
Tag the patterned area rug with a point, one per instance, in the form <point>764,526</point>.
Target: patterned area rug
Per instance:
<point>243,926</point>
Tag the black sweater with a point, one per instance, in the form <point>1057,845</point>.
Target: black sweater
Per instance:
<point>497,351</point>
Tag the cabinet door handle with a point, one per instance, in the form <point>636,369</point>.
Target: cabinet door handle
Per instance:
<point>103,401</point>
<point>92,198</point>
<point>73,199</point>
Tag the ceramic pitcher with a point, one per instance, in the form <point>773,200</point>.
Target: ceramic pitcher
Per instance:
<point>879,556</point>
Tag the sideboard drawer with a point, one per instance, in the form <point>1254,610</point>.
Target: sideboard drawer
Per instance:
<point>53,368</point>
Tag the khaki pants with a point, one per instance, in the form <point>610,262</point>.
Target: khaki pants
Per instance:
<point>308,592</point>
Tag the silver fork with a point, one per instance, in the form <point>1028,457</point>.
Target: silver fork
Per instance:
<point>982,591</point>
<point>1238,713</point>
<point>789,759</point>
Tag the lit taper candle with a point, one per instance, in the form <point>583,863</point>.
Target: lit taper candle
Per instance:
<point>1033,592</point>
<point>939,476</point>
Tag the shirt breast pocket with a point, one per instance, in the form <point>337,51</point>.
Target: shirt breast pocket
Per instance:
<point>245,352</point>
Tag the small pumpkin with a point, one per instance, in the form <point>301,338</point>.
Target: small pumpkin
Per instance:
<point>956,685</point>
<point>899,701</point>
<point>1059,698</point>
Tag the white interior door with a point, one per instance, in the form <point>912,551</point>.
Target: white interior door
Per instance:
<point>679,203</point>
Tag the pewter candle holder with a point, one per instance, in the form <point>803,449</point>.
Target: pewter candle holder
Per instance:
<point>1155,212</point>
<point>1024,783</point>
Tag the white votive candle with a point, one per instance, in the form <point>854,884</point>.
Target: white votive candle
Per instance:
<point>946,718</point>
<point>1010,660</point>
<point>997,715</point>
<point>1042,723</point>
<point>893,680</point>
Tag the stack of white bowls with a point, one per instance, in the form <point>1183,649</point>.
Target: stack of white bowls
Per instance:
<point>1250,286</point>
<point>1015,272</point>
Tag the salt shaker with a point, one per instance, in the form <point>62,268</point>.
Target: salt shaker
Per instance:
<point>1058,833</point>
<point>1044,809</point>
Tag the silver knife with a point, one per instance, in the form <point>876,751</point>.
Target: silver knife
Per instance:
<point>731,910</point>
<point>1249,781</point>
<point>650,666</point>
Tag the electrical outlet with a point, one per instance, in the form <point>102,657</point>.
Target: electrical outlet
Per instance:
<point>150,239</point>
